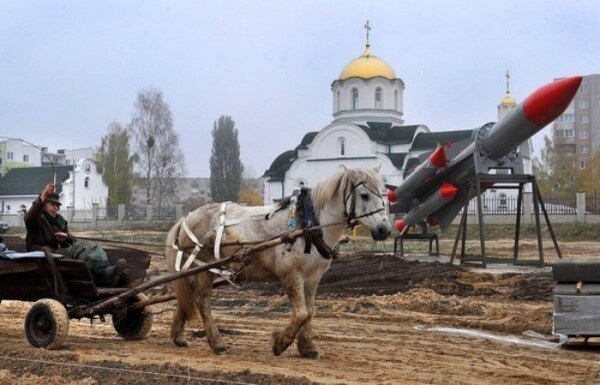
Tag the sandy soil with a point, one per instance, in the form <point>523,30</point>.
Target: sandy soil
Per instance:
<point>372,325</point>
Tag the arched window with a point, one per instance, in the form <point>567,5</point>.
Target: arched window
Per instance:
<point>354,99</point>
<point>396,100</point>
<point>342,142</point>
<point>86,182</point>
<point>337,106</point>
<point>378,98</point>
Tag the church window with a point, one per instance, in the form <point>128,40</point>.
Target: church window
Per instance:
<point>337,101</point>
<point>86,182</point>
<point>378,98</point>
<point>354,99</point>
<point>396,100</point>
<point>342,142</point>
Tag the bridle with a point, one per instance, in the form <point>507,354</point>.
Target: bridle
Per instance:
<point>350,215</point>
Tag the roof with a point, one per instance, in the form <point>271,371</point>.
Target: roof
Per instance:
<point>397,159</point>
<point>32,180</point>
<point>385,133</point>
<point>281,164</point>
<point>429,140</point>
<point>306,140</point>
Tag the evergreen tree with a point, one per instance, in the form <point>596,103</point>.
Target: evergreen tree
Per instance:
<point>225,164</point>
<point>117,165</point>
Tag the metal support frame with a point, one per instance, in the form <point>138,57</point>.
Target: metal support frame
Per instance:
<point>431,237</point>
<point>475,190</point>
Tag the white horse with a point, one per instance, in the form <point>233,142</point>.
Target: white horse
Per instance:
<point>348,197</point>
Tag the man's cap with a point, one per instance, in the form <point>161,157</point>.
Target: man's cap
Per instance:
<point>53,198</point>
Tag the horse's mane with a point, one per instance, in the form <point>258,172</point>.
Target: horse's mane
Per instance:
<point>343,179</point>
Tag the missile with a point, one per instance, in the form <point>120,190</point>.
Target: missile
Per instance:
<point>534,113</point>
<point>526,119</point>
<point>445,194</point>
<point>436,161</point>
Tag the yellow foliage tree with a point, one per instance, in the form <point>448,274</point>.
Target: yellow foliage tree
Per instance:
<point>250,197</point>
<point>590,182</point>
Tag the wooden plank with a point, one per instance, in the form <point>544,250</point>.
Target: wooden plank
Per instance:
<point>583,304</point>
<point>24,287</point>
<point>572,324</point>
<point>72,269</point>
<point>571,289</point>
<point>585,270</point>
<point>8,268</point>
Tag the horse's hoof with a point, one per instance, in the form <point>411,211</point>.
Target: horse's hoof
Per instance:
<point>219,351</point>
<point>278,347</point>
<point>181,343</point>
<point>311,355</point>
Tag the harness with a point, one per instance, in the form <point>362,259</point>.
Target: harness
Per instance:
<point>351,217</point>
<point>225,273</point>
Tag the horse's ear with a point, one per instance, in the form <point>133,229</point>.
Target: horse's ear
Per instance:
<point>377,168</point>
<point>343,166</point>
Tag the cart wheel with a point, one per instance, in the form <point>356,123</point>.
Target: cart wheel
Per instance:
<point>47,324</point>
<point>133,324</point>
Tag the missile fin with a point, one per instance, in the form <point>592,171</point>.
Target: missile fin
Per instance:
<point>446,214</point>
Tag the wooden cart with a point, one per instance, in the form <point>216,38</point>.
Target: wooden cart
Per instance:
<point>61,288</point>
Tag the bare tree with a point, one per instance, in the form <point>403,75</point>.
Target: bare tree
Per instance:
<point>160,159</point>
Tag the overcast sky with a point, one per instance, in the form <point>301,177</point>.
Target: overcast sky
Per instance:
<point>69,68</point>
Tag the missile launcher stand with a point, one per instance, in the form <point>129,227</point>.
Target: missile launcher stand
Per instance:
<point>514,165</point>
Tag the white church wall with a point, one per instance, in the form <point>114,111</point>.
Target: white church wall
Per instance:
<point>392,91</point>
<point>400,148</point>
<point>327,144</point>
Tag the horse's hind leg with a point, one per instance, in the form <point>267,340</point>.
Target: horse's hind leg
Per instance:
<point>178,326</point>
<point>294,286</point>
<point>306,347</point>
<point>215,340</point>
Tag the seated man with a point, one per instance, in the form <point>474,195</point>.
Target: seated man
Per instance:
<point>47,229</point>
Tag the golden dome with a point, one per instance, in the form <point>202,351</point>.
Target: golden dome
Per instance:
<point>367,66</point>
<point>508,101</point>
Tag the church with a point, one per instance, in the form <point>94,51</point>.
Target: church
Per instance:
<point>367,131</point>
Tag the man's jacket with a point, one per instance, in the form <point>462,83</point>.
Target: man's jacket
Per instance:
<point>41,227</point>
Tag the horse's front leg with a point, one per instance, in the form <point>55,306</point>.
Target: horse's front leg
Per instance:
<point>294,287</point>
<point>205,286</point>
<point>306,347</point>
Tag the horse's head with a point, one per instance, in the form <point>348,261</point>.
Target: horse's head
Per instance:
<point>364,204</point>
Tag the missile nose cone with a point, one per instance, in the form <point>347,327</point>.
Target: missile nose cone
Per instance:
<point>549,101</point>
<point>399,225</point>
<point>438,157</point>
<point>448,190</point>
<point>391,196</point>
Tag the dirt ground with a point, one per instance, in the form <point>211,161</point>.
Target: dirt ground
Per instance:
<point>373,325</point>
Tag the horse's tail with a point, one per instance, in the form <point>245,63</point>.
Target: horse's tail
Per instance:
<point>186,298</point>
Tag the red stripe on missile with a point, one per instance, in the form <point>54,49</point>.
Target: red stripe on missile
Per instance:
<point>399,225</point>
<point>391,196</point>
<point>551,100</point>
<point>438,157</point>
<point>448,190</point>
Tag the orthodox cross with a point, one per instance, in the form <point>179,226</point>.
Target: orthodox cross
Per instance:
<point>368,28</point>
<point>507,82</point>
